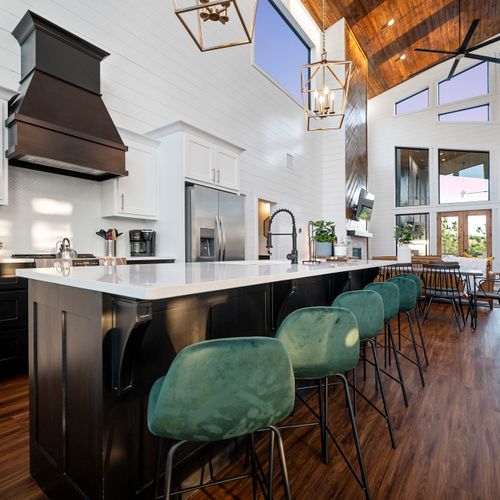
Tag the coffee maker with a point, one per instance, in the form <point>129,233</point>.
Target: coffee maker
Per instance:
<point>142,242</point>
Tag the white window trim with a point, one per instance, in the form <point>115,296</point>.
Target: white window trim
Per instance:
<point>491,114</point>
<point>409,97</point>
<point>481,96</point>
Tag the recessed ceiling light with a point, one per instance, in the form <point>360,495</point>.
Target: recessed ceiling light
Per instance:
<point>390,22</point>
<point>402,57</point>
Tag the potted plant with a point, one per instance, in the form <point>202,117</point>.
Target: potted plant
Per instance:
<point>404,235</point>
<point>324,236</point>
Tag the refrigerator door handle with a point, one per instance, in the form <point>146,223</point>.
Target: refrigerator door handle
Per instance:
<point>219,238</point>
<point>223,239</point>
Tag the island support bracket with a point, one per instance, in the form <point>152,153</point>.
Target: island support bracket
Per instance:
<point>131,319</point>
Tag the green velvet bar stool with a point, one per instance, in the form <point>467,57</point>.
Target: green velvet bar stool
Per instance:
<point>418,283</point>
<point>323,342</point>
<point>390,297</point>
<point>368,308</point>
<point>222,389</point>
<point>408,294</point>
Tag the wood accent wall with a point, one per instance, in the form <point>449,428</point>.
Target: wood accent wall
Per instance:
<point>356,137</point>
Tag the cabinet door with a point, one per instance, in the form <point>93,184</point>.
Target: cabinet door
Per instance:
<point>3,161</point>
<point>138,192</point>
<point>227,168</point>
<point>199,160</point>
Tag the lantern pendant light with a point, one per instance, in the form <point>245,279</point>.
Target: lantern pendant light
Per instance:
<point>217,24</point>
<point>324,87</point>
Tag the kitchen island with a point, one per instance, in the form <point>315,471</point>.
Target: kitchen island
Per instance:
<point>100,336</point>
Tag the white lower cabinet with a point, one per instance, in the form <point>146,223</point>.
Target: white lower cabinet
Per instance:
<point>134,196</point>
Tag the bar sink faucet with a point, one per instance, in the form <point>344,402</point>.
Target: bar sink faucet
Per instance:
<point>293,256</point>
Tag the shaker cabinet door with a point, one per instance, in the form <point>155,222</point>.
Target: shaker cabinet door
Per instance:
<point>138,192</point>
<point>227,168</point>
<point>135,196</point>
<point>199,160</point>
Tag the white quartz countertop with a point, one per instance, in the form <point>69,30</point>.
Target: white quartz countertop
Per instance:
<point>10,260</point>
<point>152,259</point>
<point>159,281</point>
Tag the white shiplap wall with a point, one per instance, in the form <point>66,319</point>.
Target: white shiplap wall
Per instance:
<point>421,129</point>
<point>154,76</point>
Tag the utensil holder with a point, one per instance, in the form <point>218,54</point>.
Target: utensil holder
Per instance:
<point>110,248</point>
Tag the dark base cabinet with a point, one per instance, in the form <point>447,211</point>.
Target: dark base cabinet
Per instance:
<point>94,358</point>
<point>13,326</point>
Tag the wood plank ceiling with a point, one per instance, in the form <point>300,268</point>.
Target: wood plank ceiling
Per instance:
<point>418,23</point>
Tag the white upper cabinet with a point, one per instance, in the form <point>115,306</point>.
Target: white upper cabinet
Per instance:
<point>5,95</point>
<point>226,170</point>
<point>204,158</point>
<point>134,196</point>
<point>199,159</point>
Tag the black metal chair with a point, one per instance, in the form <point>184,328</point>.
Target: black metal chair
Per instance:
<point>388,272</point>
<point>484,289</point>
<point>443,282</point>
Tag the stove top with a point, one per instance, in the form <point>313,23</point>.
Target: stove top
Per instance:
<point>81,260</point>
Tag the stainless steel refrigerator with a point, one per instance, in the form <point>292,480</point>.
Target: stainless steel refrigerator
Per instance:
<point>215,225</point>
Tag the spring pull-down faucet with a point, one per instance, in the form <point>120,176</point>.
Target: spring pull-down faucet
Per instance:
<point>293,256</point>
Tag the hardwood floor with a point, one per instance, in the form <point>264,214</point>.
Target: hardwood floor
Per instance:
<point>448,439</point>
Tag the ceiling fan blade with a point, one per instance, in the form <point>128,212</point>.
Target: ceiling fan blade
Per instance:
<point>453,68</point>
<point>481,45</point>
<point>468,36</point>
<point>437,51</point>
<point>480,57</point>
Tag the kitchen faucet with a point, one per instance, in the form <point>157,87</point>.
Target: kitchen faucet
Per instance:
<point>293,256</point>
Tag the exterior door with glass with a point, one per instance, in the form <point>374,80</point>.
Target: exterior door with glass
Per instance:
<point>466,232</point>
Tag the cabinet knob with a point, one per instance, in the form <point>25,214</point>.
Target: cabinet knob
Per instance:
<point>218,176</point>
<point>122,202</point>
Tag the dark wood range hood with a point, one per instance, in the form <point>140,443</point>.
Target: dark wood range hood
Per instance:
<point>58,122</point>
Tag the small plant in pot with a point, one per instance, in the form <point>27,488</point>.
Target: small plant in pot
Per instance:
<point>404,235</point>
<point>324,236</point>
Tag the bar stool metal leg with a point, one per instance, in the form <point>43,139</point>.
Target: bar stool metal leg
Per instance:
<point>281,454</point>
<point>168,469</point>
<point>382,392</point>
<point>364,480</point>
<point>415,348</point>
<point>271,464</point>
<point>398,367</point>
<point>421,335</point>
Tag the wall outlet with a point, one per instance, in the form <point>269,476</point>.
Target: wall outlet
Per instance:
<point>289,162</point>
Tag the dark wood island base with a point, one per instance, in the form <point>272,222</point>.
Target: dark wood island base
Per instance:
<point>95,356</point>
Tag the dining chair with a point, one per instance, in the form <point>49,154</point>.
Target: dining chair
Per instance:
<point>443,282</point>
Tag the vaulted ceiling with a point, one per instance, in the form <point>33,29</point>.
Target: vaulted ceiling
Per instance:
<point>418,23</point>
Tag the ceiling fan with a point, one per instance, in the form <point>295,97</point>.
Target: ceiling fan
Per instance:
<point>464,50</point>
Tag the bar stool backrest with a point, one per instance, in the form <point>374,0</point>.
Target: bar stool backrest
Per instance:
<point>321,341</point>
<point>368,308</point>
<point>390,297</point>
<point>224,388</point>
<point>408,292</point>
<point>443,279</point>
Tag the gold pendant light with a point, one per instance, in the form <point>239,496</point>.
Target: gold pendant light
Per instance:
<point>217,24</point>
<point>324,87</point>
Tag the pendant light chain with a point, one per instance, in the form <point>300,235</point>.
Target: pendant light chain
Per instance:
<point>323,54</point>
